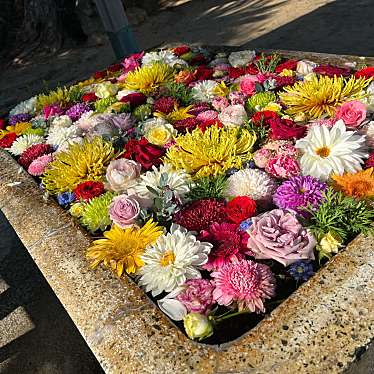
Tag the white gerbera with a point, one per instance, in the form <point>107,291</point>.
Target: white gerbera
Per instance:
<point>24,142</point>
<point>163,57</point>
<point>326,151</point>
<point>177,181</point>
<point>256,184</point>
<point>27,106</point>
<point>241,58</point>
<point>174,258</point>
<point>58,136</point>
<point>204,91</point>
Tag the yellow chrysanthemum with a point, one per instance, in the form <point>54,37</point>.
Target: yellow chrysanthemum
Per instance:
<point>80,163</point>
<point>211,152</point>
<point>177,114</point>
<point>148,78</point>
<point>320,96</point>
<point>121,249</point>
<point>360,184</point>
<point>19,128</point>
<point>221,89</point>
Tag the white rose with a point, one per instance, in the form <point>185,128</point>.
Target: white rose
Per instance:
<point>106,89</point>
<point>305,67</point>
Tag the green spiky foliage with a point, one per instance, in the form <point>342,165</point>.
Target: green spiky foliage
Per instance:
<point>102,104</point>
<point>142,112</point>
<point>207,187</point>
<point>267,64</point>
<point>179,91</point>
<point>95,215</point>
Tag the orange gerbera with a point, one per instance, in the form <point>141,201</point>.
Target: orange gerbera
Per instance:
<point>360,184</point>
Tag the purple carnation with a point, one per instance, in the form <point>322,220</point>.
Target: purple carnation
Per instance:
<point>299,193</point>
<point>75,112</point>
<point>21,117</point>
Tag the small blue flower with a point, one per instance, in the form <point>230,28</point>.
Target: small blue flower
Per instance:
<point>301,270</point>
<point>245,225</point>
<point>249,164</point>
<point>231,171</point>
<point>65,198</point>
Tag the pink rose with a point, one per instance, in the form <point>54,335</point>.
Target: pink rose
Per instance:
<point>121,174</point>
<point>124,210</point>
<point>353,113</point>
<point>248,84</point>
<point>283,166</point>
<point>279,236</point>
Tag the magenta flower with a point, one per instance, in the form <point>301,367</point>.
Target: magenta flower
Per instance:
<point>230,244</point>
<point>279,236</point>
<point>245,282</point>
<point>197,296</point>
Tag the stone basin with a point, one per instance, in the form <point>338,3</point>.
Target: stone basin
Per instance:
<point>321,327</point>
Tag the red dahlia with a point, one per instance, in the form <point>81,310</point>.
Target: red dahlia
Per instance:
<point>143,152</point>
<point>230,244</point>
<point>236,72</point>
<point>32,153</point>
<point>203,73</point>
<point>164,104</point>
<point>369,163</point>
<point>330,71</point>
<point>365,73</point>
<point>88,190</point>
<point>262,118</point>
<point>200,214</point>
<point>115,67</point>
<point>7,140</point>
<point>100,74</point>
<point>2,123</point>
<point>285,129</point>
<point>284,81</point>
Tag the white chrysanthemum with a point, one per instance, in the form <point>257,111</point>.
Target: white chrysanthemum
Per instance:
<point>241,58</point>
<point>335,150</point>
<point>24,142</point>
<point>254,183</point>
<point>164,57</point>
<point>177,181</point>
<point>61,121</point>
<point>204,91</point>
<point>87,121</point>
<point>27,106</point>
<point>59,136</point>
<point>174,258</point>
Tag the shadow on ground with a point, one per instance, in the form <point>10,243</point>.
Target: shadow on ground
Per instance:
<point>341,27</point>
<point>36,334</point>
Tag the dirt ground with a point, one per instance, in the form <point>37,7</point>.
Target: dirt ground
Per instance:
<point>307,25</point>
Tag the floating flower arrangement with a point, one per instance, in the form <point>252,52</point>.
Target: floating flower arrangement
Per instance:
<point>218,182</point>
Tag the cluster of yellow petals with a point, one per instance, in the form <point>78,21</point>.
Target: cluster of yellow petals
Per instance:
<point>178,113</point>
<point>360,184</point>
<point>80,163</point>
<point>321,95</point>
<point>121,249</point>
<point>19,128</point>
<point>212,152</point>
<point>148,78</point>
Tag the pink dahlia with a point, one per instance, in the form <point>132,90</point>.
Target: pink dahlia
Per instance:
<point>237,98</point>
<point>201,214</point>
<point>197,296</point>
<point>330,71</point>
<point>219,103</point>
<point>279,236</point>
<point>199,108</point>
<point>245,282</point>
<point>38,166</point>
<point>209,116</point>
<point>230,244</point>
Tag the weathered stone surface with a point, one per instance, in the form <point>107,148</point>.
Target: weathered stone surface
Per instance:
<point>319,328</point>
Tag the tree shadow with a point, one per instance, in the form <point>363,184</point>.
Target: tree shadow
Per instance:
<point>340,27</point>
<point>54,345</point>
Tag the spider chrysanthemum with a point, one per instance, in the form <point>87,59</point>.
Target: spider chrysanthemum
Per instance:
<point>321,95</point>
<point>148,78</point>
<point>121,249</point>
<point>211,152</point>
<point>80,163</point>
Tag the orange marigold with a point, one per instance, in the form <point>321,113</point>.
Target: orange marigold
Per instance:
<point>360,184</point>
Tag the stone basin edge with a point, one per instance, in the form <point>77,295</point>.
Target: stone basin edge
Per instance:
<point>321,326</point>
